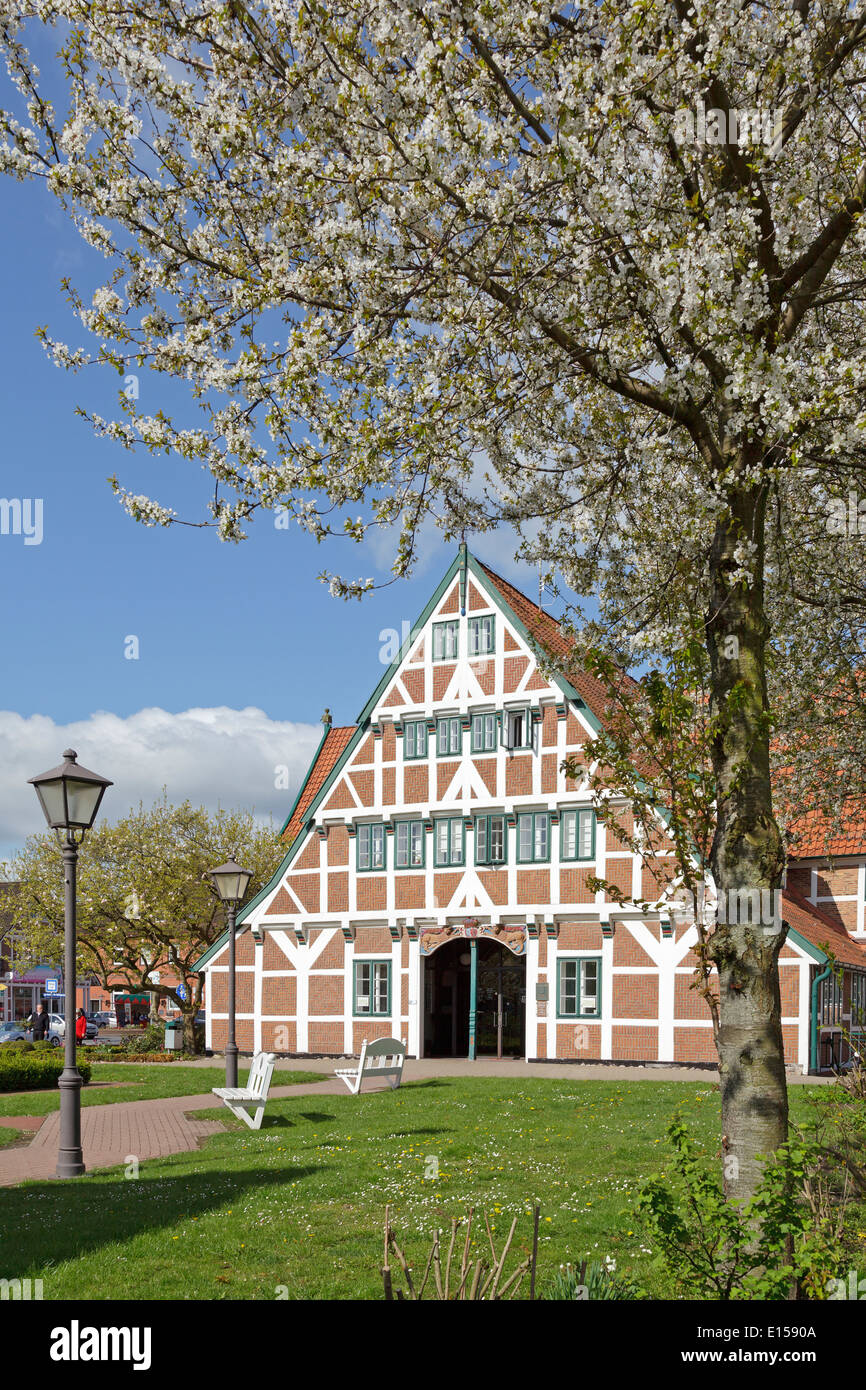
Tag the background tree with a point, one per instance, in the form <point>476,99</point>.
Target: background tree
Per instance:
<point>595,267</point>
<point>146,907</point>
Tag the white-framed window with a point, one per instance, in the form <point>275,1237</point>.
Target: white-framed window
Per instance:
<point>445,640</point>
<point>371,847</point>
<point>409,845</point>
<point>448,841</point>
<point>517,728</point>
<point>449,736</point>
<point>484,732</point>
<point>578,835</point>
<point>415,738</point>
<point>482,635</point>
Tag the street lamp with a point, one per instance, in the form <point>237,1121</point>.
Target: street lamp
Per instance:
<point>70,796</point>
<point>231,883</point>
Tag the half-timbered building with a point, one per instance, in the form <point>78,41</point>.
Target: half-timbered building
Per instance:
<point>435,885</point>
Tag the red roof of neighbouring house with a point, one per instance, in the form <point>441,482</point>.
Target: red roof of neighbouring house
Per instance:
<point>330,751</point>
<point>813,836</point>
<point>822,930</point>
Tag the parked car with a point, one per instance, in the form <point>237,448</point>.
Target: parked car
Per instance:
<point>12,1032</point>
<point>104,1019</point>
<point>56,1029</point>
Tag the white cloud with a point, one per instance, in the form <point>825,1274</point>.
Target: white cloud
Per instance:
<point>211,757</point>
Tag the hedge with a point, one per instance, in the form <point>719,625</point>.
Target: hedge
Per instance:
<point>35,1071</point>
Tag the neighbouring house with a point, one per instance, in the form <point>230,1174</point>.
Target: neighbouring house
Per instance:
<point>434,885</point>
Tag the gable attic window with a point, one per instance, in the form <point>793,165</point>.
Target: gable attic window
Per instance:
<point>482,635</point>
<point>445,641</point>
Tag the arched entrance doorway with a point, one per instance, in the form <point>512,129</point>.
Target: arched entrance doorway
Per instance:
<point>499,1003</point>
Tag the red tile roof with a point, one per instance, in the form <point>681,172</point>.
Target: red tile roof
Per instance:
<point>547,632</point>
<point>330,750</point>
<point>813,837</point>
<point>822,930</point>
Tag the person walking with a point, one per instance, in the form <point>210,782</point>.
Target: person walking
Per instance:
<point>40,1024</point>
<point>80,1028</point>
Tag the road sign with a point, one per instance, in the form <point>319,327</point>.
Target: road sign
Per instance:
<point>51,986</point>
<point>181,989</point>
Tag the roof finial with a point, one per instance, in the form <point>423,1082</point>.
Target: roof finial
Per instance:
<point>326,720</point>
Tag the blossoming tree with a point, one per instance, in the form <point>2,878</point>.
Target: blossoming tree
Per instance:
<point>591,271</point>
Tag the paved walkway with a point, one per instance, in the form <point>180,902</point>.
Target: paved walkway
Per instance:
<point>111,1134</point>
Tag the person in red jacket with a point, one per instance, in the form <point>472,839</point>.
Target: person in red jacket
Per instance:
<point>80,1028</point>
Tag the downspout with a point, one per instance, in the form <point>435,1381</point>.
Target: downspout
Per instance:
<point>813,1040</point>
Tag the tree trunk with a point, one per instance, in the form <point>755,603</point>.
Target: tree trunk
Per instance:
<point>747,855</point>
<point>189,1031</point>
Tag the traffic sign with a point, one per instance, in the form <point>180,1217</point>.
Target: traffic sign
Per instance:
<point>51,986</point>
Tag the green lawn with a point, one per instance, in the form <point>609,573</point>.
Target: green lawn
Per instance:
<point>300,1204</point>
<point>141,1081</point>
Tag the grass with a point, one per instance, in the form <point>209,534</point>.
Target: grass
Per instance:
<point>9,1136</point>
<point>296,1210</point>
<point>141,1081</point>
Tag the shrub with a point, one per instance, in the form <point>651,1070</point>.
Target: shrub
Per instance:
<point>35,1072</point>
<point>779,1244</point>
<point>150,1039</point>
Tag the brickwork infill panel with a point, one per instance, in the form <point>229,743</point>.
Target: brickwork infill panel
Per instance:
<point>495,884</point>
<point>533,886</point>
<point>627,950</point>
<point>580,936</point>
<point>372,892</point>
<point>362,781</point>
<point>629,1044</point>
<point>572,885</point>
<point>635,996</point>
<point>327,1038</point>
<point>694,1045</point>
<point>327,994</point>
<point>333,954</point>
<point>580,1039</point>
<point>409,891</point>
<point>371,941</point>
<point>309,858</point>
<point>306,889</point>
<point>688,1003</point>
<point>415,784</point>
<point>338,892</point>
<point>338,845</point>
<point>279,996</point>
<point>518,776</point>
<point>279,1037</point>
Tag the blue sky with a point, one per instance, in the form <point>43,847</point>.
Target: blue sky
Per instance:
<point>221,628</point>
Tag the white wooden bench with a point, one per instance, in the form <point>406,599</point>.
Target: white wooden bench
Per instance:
<point>384,1057</point>
<point>252,1097</point>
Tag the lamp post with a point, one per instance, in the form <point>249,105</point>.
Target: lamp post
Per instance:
<point>70,796</point>
<point>231,882</point>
